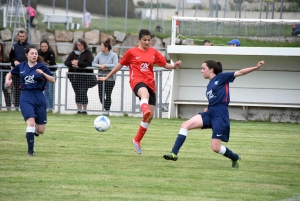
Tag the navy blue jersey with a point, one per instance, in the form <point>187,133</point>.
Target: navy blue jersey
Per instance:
<point>217,91</point>
<point>29,78</point>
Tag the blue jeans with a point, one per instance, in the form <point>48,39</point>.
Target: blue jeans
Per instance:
<point>49,93</point>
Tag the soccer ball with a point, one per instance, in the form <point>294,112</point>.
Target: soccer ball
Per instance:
<point>102,123</point>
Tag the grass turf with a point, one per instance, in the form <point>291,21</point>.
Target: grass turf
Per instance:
<point>75,162</point>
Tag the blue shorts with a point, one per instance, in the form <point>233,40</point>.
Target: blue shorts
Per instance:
<point>217,118</point>
<point>33,104</point>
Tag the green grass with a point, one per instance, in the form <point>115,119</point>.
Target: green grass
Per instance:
<point>135,24</point>
<point>74,162</point>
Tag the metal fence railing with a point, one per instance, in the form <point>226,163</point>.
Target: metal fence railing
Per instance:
<point>123,100</point>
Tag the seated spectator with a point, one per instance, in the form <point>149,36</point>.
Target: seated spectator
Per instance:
<point>47,53</point>
<point>234,42</point>
<point>206,43</point>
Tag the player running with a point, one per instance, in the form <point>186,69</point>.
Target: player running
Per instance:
<point>34,75</point>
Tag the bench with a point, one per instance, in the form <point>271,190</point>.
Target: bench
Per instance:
<point>245,105</point>
<point>54,18</point>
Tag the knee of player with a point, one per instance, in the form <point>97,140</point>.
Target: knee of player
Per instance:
<point>215,148</point>
<point>40,131</point>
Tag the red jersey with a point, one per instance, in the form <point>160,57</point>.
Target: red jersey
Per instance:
<point>140,65</point>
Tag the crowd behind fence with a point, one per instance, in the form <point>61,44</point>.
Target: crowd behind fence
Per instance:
<point>123,101</point>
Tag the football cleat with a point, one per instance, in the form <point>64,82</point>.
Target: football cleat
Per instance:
<point>30,153</point>
<point>236,164</point>
<point>137,146</point>
<point>171,156</point>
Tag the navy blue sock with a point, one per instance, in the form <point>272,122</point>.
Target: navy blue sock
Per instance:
<point>231,155</point>
<point>178,143</point>
<point>30,140</point>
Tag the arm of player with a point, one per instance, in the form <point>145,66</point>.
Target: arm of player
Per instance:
<point>114,70</point>
<point>245,71</point>
<point>173,66</point>
<point>48,77</point>
<point>8,80</point>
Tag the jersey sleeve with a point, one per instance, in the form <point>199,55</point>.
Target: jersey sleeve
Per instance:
<point>15,70</point>
<point>226,77</point>
<point>159,59</point>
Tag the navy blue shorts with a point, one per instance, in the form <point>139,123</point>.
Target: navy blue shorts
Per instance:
<point>33,104</point>
<point>217,118</point>
<point>152,95</point>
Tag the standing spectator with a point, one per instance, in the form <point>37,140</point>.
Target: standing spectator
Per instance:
<point>140,61</point>
<point>33,76</point>
<point>16,56</point>
<point>4,59</point>
<point>77,61</point>
<point>31,12</point>
<point>206,43</point>
<point>87,19</point>
<point>47,53</point>
<point>106,61</point>
<point>234,43</point>
<point>216,116</point>
<point>177,23</point>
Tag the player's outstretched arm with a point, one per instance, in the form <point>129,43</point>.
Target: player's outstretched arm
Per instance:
<point>173,66</point>
<point>245,71</point>
<point>114,70</point>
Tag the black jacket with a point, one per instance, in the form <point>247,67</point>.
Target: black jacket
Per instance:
<point>49,57</point>
<point>17,52</point>
<point>84,60</point>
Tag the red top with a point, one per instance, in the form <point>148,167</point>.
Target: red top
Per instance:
<point>140,63</point>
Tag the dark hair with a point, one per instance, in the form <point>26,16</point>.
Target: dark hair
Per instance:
<point>144,32</point>
<point>216,65</point>
<point>107,44</point>
<point>45,41</point>
<point>29,47</point>
<point>2,53</point>
<point>83,42</point>
<point>22,32</point>
<point>205,41</point>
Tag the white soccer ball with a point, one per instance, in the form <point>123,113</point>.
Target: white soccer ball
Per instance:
<point>102,123</point>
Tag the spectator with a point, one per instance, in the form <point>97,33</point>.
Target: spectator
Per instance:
<point>47,53</point>
<point>17,56</point>
<point>31,12</point>
<point>4,59</point>
<point>158,29</point>
<point>177,23</point>
<point>87,19</point>
<point>206,43</point>
<point>106,61</point>
<point>77,61</point>
<point>234,42</point>
<point>33,76</point>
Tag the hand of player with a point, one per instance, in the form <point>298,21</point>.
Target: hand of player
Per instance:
<point>39,71</point>
<point>101,78</point>
<point>8,83</point>
<point>177,64</point>
<point>259,64</point>
<point>206,109</point>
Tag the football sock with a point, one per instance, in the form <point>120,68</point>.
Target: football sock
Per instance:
<point>30,131</point>
<point>141,132</point>
<point>228,153</point>
<point>179,140</point>
<point>144,105</point>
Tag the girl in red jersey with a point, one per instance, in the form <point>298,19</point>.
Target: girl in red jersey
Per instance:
<point>140,61</point>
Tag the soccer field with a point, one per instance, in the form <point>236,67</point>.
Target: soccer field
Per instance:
<point>75,162</point>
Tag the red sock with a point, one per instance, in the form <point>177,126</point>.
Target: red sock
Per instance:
<point>140,134</point>
<point>144,107</point>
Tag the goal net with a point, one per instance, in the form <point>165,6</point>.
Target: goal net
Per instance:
<point>199,27</point>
